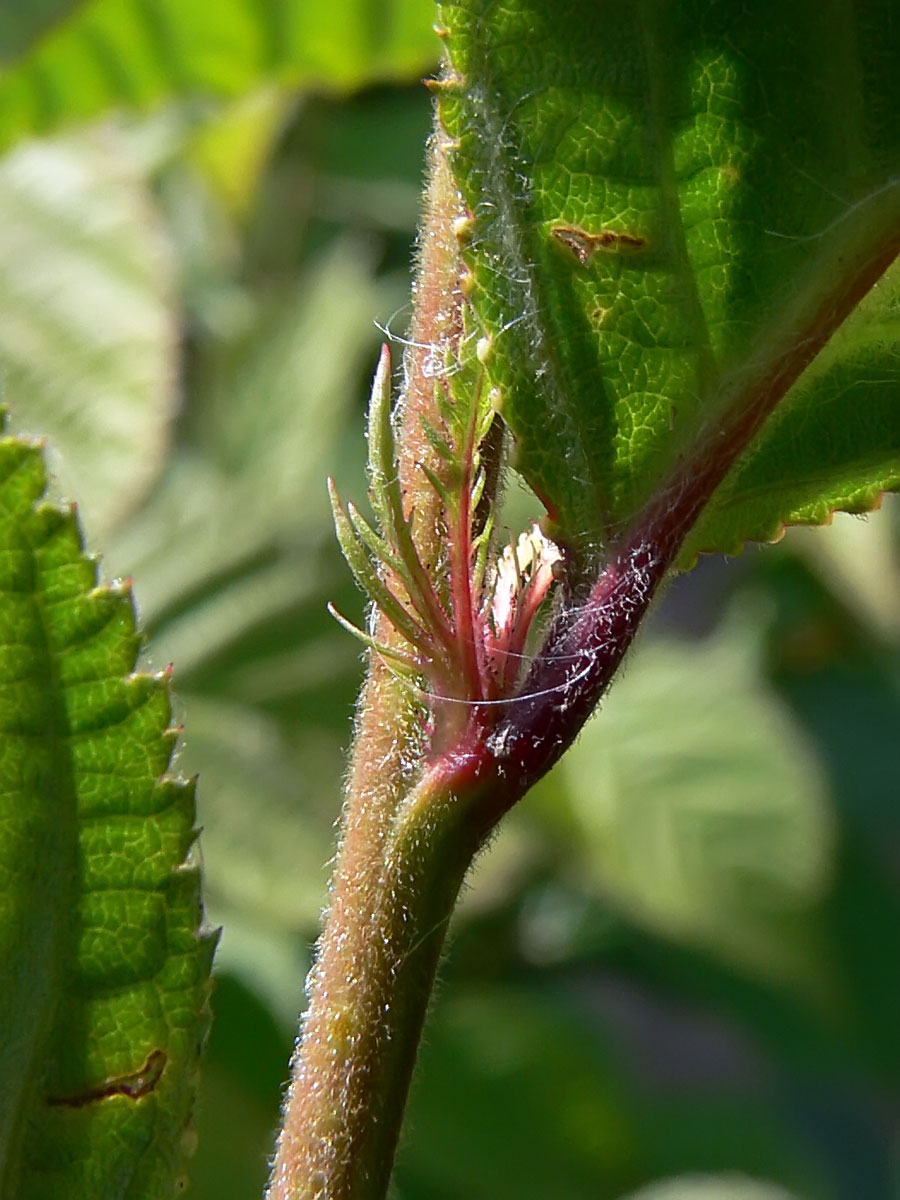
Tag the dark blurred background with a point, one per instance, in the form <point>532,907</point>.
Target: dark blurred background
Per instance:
<point>676,970</point>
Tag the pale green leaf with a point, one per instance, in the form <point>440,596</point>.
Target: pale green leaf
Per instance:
<point>266,841</point>
<point>696,806</point>
<point>87,316</point>
<point>257,484</point>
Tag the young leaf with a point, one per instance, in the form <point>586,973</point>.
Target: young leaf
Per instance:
<point>674,207</point>
<point>103,968</point>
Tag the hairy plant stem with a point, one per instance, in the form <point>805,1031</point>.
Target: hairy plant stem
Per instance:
<point>422,799</point>
<point>407,840</point>
<point>407,845</point>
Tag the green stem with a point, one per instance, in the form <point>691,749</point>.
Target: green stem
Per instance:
<point>407,845</point>
<point>411,823</point>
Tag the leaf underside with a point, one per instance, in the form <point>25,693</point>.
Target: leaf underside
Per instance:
<point>100,387</point>
<point>102,961</point>
<point>664,196</point>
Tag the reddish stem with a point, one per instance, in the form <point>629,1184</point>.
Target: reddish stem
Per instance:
<point>587,642</point>
<point>468,646</point>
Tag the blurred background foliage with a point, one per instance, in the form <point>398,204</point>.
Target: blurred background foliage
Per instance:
<point>675,973</point>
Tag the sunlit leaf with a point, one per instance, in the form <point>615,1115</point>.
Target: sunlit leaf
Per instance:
<point>138,53</point>
<point>102,960</point>
<point>670,202</point>
<point>836,436</point>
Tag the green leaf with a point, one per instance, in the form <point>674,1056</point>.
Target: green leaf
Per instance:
<point>249,485</point>
<point>709,1187</point>
<point>138,53</point>
<point>837,435</point>
<point>267,828</point>
<point>22,24</point>
<point>87,316</point>
<point>103,967</point>
<point>697,808</point>
<point>860,562</point>
<point>671,203</point>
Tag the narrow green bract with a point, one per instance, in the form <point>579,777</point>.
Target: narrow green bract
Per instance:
<point>103,967</point>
